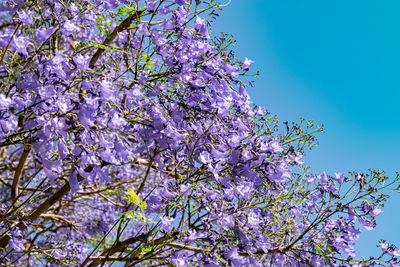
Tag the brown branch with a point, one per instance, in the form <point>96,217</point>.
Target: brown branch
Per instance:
<point>121,27</point>
<point>43,207</point>
<point>57,218</point>
<point>8,45</point>
<point>54,198</point>
<point>101,258</point>
<point>8,24</point>
<point>8,213</point>
<point>121,246</point>
<point>141,161</point>
<point>191,248</point>
<point>165,262</point>
<point>17,175</point>
<point>261,252</point>
<point>150,164</point>
<point>110,200</point>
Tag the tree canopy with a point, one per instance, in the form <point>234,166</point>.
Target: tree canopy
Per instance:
<point>127,137</point>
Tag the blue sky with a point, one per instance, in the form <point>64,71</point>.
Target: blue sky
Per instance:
<point>336,62</point>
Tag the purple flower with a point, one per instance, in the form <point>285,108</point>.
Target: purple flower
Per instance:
<point>62,149</point>
<point>234,157</point>
<point>275,146</point>
<point>73,182</point>
<point>351,214</point>
<point>5,102</point>
<point>395,253</point>
<point>52,168</point>
<point>384,246</point>
<point>247,63</point>
<point>253,220</point>
<point>244,191</point>
<point>204,157</point>
<point>226,221</point>
<point>185,189</point>
<point>180,2</point>
<point>16,242</point>
<point>4,39</point>
<point>339,177</point>
<point>117,121</point>
<point>375,211</point>
<point>167,223</point>
<point>323,177</point>
<point>243,92</point>
<point>234,141</point>
<point>98,223</point>
<point>123,37</point>
<point>167,193</point>
<point>272,146</point>
<point>167,24</point>
<point>311,178</point>
<point>369,225</point>
<point>59,254</point>
<point>201,27</point>
<point>9,124</point>
<point>26,17</point>
<point>43,34</point>
<point>164,10</point>
<point>69,28</point>
<point>235,258</point>
<point>297,158</point>
<point>151,5</point>
<point>193,235</point>
<point>142,77</point>
<point>101,174</point>
<point>20,44</point>
<point>296,212</point>
<point>110,4</point>
<point>144,29</point>
<point>229,69</point>
<point>82,62</point>
<point>180,262</point>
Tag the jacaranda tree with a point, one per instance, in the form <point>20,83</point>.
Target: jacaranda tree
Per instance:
<point>127,137</point>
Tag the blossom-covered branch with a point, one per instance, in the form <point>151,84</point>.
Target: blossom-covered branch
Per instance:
<point>127,135</point>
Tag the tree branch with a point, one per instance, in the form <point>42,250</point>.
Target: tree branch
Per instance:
<point>121,246</point>
<point>57,218</point>
<point>121,27</point>
<point>17,175</point>
<point>186,247</point>
<point>43,207</point>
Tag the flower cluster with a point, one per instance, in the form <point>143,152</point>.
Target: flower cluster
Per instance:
<point>127,135</point>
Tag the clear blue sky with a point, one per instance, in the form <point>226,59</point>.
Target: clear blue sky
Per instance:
<point>338,63</point>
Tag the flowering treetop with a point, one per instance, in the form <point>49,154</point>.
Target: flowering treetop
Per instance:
<point>127,135</point>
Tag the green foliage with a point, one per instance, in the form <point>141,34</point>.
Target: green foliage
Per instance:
<point>134,198</point>
<point>133,214</point>
<point>103,25</point>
